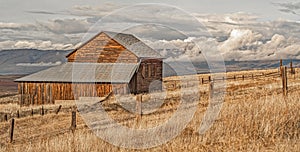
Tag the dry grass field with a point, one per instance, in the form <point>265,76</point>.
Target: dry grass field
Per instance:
<point>7,86</point>
<point>255,116</point>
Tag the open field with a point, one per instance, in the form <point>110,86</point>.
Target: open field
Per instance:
<point>255,116</point>
<point>7,86</point>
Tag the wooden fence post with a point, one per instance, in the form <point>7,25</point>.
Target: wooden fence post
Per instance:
<point>291,66</point>
<point>202,81</point>
<point>284,80</point>
<point>18,114</point>
<point>209,78</point>
<point>281,71</point>
<point>73,122</point>
<point>31,112</point>
<point>211,89</point>
<point>280,67</point>
<point>175,87</point>
<point>42,111</point>
<point>5,117</point>
<point>294,73</point>
<point>57,111</point>
<point>12,126</point>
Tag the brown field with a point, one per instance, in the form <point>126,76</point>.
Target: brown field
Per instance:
<point>255,116</point>
<point>7,86</point>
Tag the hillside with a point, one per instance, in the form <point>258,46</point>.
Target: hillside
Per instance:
<point>27,61</point>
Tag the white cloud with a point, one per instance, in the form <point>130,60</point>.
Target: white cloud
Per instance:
<point>24,44</point>
<point>66,26</point>
<point>240,45</point>
<point>4,25</point>
<point>94,11</point>
<point>239,39</point>
<point>42,45</point>
<point>7,44</point>
<point>239,36</point>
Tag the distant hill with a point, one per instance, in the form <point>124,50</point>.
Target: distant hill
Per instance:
<point>27,61</point>
<point>202,67</point>
<point>258,64</point>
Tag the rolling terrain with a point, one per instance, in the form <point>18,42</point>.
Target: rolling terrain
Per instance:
<point>27,61</point>
<point>255,116</point>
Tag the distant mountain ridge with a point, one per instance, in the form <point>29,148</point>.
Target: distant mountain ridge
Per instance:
<point>19,61</point>
<point>27,61</point>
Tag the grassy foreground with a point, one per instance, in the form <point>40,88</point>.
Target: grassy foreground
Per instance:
<point>258,119</point>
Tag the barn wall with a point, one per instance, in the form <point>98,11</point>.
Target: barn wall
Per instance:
<point>47,93</point>
<point>102,49</point>
<point>132,86</point>
<point>149,71</point>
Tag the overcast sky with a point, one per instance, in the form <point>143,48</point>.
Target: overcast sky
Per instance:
<point>252,28</point>
<point>34,10</point>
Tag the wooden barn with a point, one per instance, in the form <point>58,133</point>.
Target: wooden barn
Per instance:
<point>109,62</point>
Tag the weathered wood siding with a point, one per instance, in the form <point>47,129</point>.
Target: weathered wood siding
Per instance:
<point>46,93</point>
<point>149,71</point>
<point>102,49</point>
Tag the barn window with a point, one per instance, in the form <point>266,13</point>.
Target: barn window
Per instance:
<point>149,70</point>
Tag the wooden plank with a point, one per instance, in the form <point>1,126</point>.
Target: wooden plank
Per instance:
<point>103,49</point>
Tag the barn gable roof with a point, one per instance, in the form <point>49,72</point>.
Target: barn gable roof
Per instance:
<point>130,42</point>
<point>85,73</point>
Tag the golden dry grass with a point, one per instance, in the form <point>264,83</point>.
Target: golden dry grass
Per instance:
<point>254,117</point>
